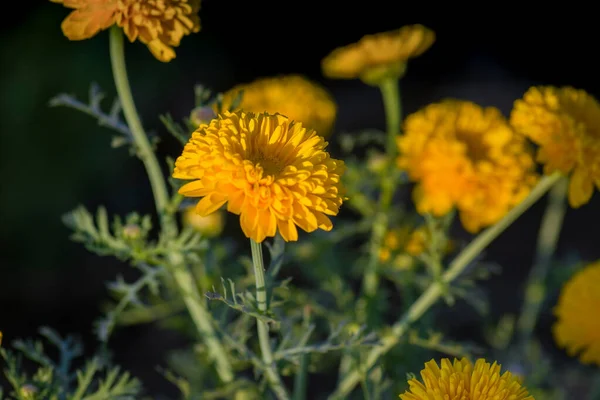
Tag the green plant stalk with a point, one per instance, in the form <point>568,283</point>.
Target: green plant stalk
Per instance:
<point>390,92</point>
<point>437,289</point>
<point>271,372</point>
<point>184,279</point>
<point>549,233</point>
<point>143,147</point>
<point>203,321</point>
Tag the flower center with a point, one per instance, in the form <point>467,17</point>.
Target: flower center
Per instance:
<point>475,149</point>
<point>271,165</point>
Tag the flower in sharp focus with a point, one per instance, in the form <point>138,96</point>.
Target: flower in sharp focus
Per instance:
<point>565,123</point>
<point>377,57</point>
<point>271,171</point>
<point>294,96</point>
<point>466,157</point>
<point>461,380</point>
<point>159,24</point>
<point>577,328</point>
<point>209,226</point>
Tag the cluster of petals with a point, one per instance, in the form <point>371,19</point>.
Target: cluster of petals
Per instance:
<point>461,380</point>
<point>272,171</point>
<point>294,96</point>
<point>378,56</point>
<point>159,24</point>
<point>565,123</point>
<point>466,157</point>
<point>577,326</point>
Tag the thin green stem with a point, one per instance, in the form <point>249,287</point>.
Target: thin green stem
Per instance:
<point>271,372</point>
<point>142,144</point>
<point>437,289</point>
<point>390,92</point>
<point>301,378</point>
<point>549,233</point>
<point>184,279</point>
<point>203,321</point>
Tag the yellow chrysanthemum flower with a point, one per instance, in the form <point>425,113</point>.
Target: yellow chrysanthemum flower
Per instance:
<point>377,57</point>
<point>578,327</point>
<point>159,24</point>
<point>565,123</point>
<point>468,157</point>
<point>461,380</point>
<point>294,96</point>
<point>271,171</point>
<point>209,226</point>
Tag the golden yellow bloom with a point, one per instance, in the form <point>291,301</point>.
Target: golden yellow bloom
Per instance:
<point>294,96</point>
<point>209,226</point>
<point>468,157</point>
<point>578,327</point>
<point>271,171</point>
<point>376,57</point>
<point>565,123</point>
<point>461,380</point>
<point>159,24</point>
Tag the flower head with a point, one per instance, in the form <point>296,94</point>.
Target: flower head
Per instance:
<point>577,327</point>
<point>159,24</point>
<point>565,123</point>
<point>461,380</point>
<point>294,96</point>
<point>465,156</point>
<point>271,171</point>
<point>379,56</point>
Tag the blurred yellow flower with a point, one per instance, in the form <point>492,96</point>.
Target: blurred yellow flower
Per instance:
<point>209,226</point>
<point>379,56</point>
<point>565,123</point>
<point>465,156</point>
<point>461,380</point>
<point>159,24</point>
<point>271,171</point>
<point>578,327</point>
<point>294,96</point>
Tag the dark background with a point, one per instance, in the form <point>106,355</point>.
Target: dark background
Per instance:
<point>52,159</point>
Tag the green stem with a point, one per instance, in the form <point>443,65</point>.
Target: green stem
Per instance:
<point>436,289</point>
<point>202,319</point>
<point>271,372</point>
<point>301,378</point>
<point>390,92</point>
<point>141,142</point>
<point>547,240</point>
<point>184,279</point>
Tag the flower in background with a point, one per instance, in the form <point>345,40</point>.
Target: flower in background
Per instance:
<point>209,226</point>
<point>159,24</point>
<point>271,171</point>
<point>466,157</point>
<point>565,123</point>
<point>463,380</point>
<point>377,57</point>
<point>578,327</point>
<point>294,96</point>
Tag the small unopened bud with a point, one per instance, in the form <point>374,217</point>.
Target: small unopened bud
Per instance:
<point>132,231</point>
<point>377,162</point>
<point>210,226</point>
<point>28,391</point>
<point>202,115</point>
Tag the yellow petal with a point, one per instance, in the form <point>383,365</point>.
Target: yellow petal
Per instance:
<point>288,230</point>
<point>210,204</point>
<point>161,51</point>
<point>581,188</point>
